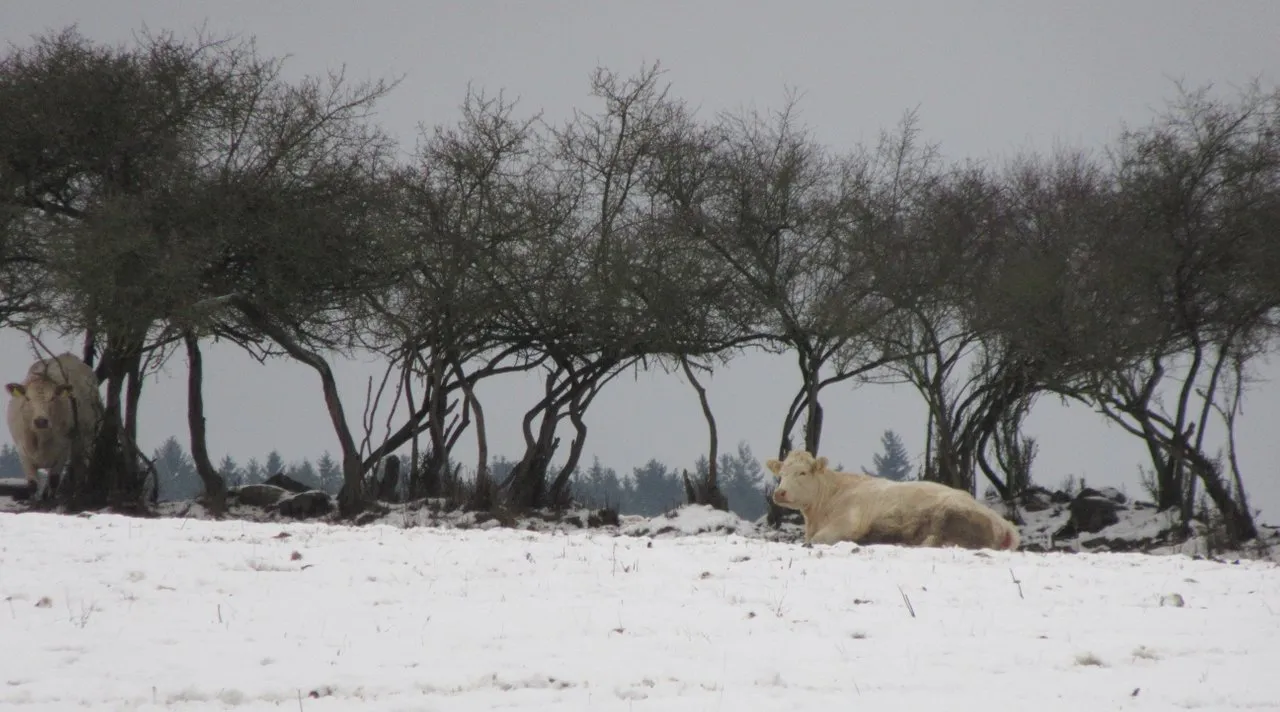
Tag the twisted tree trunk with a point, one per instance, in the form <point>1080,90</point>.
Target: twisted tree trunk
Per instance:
<point>707,491</point>
<point>351,498</point>
<point>215,489</point>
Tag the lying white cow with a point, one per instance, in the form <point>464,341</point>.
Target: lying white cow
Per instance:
<point>57,401</point>
<point>840,506</point>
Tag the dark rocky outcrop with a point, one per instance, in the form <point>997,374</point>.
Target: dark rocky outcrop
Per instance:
<point>1108,493</point>
<point>286,482</point>
<point>1090,512</point>
<point>306,505</point>
<point>1035,499</point>
<point>593,520</point>
<point>258,495</point>
<point>15,488</point>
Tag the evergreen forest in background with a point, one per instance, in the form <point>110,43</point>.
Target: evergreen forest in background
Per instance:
<point>647,490</point>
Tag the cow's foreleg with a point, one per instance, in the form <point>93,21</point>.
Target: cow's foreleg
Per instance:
<point>809,529</point>
<point>55,480</point>
<point>827,535</point>
<point>31,473</point>
<point>846,528</point>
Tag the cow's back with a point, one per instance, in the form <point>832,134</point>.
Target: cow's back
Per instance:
<point>65,368</point>
<point>895,512</point>
<point>913,494</point>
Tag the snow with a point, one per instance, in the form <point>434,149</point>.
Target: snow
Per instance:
<point>687,521</point>
<point>1143,528</point>
<point>109,612</point>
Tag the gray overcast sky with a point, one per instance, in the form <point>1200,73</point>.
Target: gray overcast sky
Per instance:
<point>989,78</point>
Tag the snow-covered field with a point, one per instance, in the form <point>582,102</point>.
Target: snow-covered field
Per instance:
<point>112,613</point>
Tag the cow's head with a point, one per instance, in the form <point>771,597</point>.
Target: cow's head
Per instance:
<point>41,400</point>
<point>797,479</point>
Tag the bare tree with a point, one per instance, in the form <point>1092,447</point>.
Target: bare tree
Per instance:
<point>942,229</point>
<point>21,273</point>
<point>1199,188</point>
<point>707,490</point>
<point>101,147</point>
<point>706,303</point>
<point>788,223</point>
<point>1044,314</point>
<point>1230,407</point>
<point>477,187</point>
<point>611,286</point>
<point>214,487</point>
<point>299,240</point>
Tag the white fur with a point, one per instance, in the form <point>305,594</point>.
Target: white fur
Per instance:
<point>840,506</point>
<point>48,392</point>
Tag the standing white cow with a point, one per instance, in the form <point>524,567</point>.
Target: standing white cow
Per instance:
<point>57,401</point>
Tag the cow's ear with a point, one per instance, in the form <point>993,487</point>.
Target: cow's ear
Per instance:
<point>15,389</point>
<point>820,464</point>
<point>774,465</point>
<point>62,389</point>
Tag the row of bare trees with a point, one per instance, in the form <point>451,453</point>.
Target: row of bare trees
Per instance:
<point>160,195</point>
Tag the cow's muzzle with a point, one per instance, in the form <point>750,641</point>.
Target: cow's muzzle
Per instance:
<point>41,423</point>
